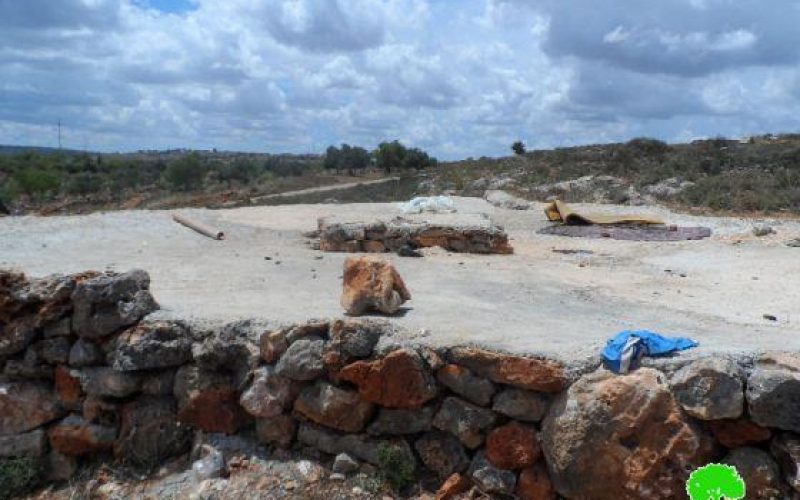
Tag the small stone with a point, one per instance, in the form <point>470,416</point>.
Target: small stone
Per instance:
<point>489,478</point>
<point>54,350</point>
<point>75,437</point>
<point>786,450</point>
<point>210,466</point>
<point>461,381</point>
<point>442,453</point>
<point>279,430</point>
<point>273,345</point>
<point>512,446</point>
<point>358,446</point>
<point>152,345</point>
<point>356,339</point>
<point>269,395</point>
<point>372,284</point>
<point>710,389</point>
<point>16,335</point>
<point>105,381</point>
<point>763,230</point>
<point>208,401</point>
<point>465,421</point>
<point>395,422</point>
<point>68,387</point>
<point>522,405</point>
<point>398,380</point>
<point>24,406</point>
<point>535,374</point>
<point>337,477</point>
<point>59,467</point>
<point>29,444</point>
<point>333,407</point>
<point>303,360</point>
<point>455,485</point>
<point>344,464</point>
<point>534,484</point>
<point>759,471</point>
<point>311,328</point>
<point>737,433</point>
<point>85,353</point>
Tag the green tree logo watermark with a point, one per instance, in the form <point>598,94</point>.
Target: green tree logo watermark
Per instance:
<point>715,482</point>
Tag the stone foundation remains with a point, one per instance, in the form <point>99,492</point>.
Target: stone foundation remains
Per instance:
<point>462,233</point>
<point>86,373</point>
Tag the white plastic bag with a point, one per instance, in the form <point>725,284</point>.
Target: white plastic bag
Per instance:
<point>436,204</point>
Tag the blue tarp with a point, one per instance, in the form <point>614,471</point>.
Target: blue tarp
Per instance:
<point>626,348</point>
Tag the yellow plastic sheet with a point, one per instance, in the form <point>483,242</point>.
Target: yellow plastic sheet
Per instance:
<point>558,211</point>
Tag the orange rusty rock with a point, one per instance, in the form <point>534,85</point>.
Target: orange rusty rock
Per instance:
<point>512,446</point>
<point>535,374</point>
<point>273,345</point>
<point>373,246</point>
<point>75,437</point>
<point>737,433</point>
<point>214,410</point>
<point>454,485</point>
<point>68,387</point>
<point>371,283</point>
<point>534,484</point>
<point>399,380</point>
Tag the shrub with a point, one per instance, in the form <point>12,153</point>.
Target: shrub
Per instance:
<point>18,476</point>
<point>518,148</point>
<point>396,466</point>
<point>185,173</point>
<point>84,183</point>
<point>35,182</point>
<point>242,171</point>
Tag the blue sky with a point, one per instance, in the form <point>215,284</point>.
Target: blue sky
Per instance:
<point>458,78</point>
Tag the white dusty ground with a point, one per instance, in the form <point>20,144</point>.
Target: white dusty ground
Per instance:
<point>715,290</point>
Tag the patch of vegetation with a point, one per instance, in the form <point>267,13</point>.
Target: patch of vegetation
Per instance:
<point>18,476</point>
<point>396,466</point>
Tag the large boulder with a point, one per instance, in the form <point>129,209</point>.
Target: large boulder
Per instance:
<point>16,335</point>
<point>442,453</point>
<point>269,394</point>
<point>372,284</point>
<point>46,299</point>
<point>356,445</point>
<point>399,380</point>
<point>150,432</point>
<point>710,389</point>
<point>107,303</point>
<point>208,400</point>
<point>463,382</point>
<point>761,475</point>
<point>152,345</point>
<point>303,360</point>
<point>773,392</point>
<point>612,436</point>
<point>535,374</point>
<point>74,436</point>
<point>786,449</point>
<point>333,407</point>
<point>27,405</point>
<point>466,421</point>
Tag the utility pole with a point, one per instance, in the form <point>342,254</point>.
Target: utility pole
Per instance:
<point>59,133</point>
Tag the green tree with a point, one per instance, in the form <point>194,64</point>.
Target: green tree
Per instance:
<point>715,482</point>
<point>36,182</point>
<point>185,173</point>
<point>389,156</point>
<point>518,147</point>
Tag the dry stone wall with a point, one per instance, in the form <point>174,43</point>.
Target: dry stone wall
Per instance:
<point>86,373</point>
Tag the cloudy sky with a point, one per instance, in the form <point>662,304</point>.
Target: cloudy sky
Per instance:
<point>456,77</point>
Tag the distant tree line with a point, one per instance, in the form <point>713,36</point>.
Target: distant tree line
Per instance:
<point>388,157</point>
